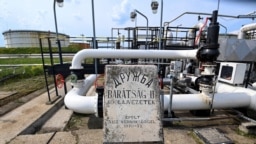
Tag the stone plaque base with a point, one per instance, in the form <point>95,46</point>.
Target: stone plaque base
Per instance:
<point>132,105</point>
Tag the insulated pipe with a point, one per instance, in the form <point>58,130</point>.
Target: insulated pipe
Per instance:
<point>194,79</point>
<point>202,102</point>
<point>99,53</point>
<point>76,101</point>
<point>244,29</point>
<point>224,88</point>
<point>227,97</point>
<point>191,33</point>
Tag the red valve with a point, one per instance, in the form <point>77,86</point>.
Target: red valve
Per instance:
<point>59,80</point>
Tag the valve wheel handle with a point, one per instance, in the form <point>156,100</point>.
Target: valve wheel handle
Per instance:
<point>59,80</point>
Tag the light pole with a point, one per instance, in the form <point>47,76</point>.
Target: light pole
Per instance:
<point>154,7</point>
<point>94,38</point>
<point>133,16</point>
<point>60,4</point>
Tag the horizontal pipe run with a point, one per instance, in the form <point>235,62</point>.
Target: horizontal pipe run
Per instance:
<point>202,102</point>
<point>99,53</point>
<point>245,92</point>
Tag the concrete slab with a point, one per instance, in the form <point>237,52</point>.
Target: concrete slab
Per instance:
<point>58,121</point>
<point>4,94</point>
<point>27,118</point>
<point>231,132</point>
<point>16,121</point>
<point>248,127</point>
<point>63,138</point>
<point>178,136</point>
<point>20,101</point>
<point>171,136</point>
<point>32,139</point>
<point>94,136</point>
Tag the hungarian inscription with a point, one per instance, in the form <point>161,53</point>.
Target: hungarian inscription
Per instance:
<point>132,104</point>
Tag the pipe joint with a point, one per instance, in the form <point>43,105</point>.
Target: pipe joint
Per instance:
<point>207,54</point>
<point>100,91</point>
<point>76,74</point>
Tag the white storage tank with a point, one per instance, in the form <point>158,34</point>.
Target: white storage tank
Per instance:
<point>30,38</point>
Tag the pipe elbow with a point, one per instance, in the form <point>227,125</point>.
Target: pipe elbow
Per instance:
<point>78,60</point>
<point>76,101</point>
<point>81,104</point>
<point>244,29</point>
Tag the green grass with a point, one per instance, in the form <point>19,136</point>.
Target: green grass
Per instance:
<point>37,50</point>
<point>31,60</point>
<point>30,78</point>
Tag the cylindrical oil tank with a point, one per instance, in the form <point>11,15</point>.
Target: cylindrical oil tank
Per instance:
<point>30,38</point>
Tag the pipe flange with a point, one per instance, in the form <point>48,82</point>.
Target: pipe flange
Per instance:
<point>100,91</point>
<point>96,106</point>
<point>206,79</point>
<point>77,73</point>
<point>207,55</point>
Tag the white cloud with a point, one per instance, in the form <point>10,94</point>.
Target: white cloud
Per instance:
<point>75,17</point>
<point>121,12</point>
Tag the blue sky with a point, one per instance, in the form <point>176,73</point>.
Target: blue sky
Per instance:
<point>75,18</point>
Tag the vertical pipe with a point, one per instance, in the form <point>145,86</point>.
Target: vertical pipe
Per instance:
<point>57,34</point>
<point>112,38</point>
<point>170,100</point>
<point>94,37</point>
<point>248,75</point>
<point>46,81</point>
<point>52,64</point>
<point>58,41</point>
<point>162,102</point>
<point>147,27</point>
<point>160,33</point>
<point>129,45</point>
<point>55,18</point>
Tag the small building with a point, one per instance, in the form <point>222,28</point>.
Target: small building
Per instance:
<point>30,38</point>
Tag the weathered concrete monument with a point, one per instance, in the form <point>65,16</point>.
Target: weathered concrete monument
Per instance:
<point>132,105</point>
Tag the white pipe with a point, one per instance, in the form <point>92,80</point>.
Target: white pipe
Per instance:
<point>245,92</point>
<point>202,102</point>
<point>193,78</point>
<point>227,96</point>
<point>244,29</point>
<point>76,101</point>
<point>192,34</point>
<point>99,53</point>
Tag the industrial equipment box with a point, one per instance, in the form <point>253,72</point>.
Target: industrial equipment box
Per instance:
<point>232,73</point>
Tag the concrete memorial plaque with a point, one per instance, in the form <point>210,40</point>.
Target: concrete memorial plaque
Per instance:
<point>132,105</point>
